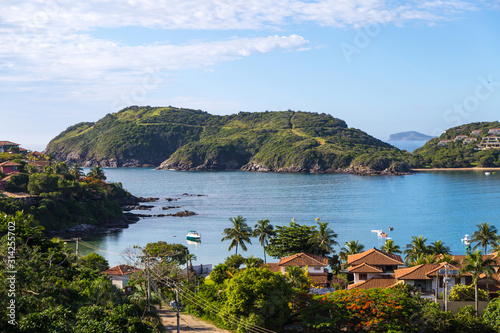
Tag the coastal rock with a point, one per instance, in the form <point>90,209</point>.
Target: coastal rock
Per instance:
<point>184,213</point>
<point>253,166</point>
<point>170,207</point>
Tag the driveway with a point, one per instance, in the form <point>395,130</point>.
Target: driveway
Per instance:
<point>187,323</point>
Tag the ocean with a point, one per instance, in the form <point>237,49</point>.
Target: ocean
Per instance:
<point>443,205</point>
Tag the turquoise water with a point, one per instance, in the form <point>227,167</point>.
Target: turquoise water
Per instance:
<point>437,205</point>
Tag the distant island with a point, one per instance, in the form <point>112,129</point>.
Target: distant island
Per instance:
<point>409,136</point>
<point>187,139</point>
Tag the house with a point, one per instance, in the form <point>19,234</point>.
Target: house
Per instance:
<point>469,140</point>
<point>459,129</point>
<point>5,146</point>
<point>372,269</point>
<point>9,167</point>
<point>120,275</point>
<point>443,142</point>
<point>476,132</point>
<point>315,265</point>
<point>428,278</point>
<point>490,141</point>
<point>5,179</point>
<point>495,131</point>
<point>371,264</point>
<point>459,137</point>
<point>39,165</point>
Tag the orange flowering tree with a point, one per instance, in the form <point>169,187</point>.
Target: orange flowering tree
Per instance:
<point>374,310</point>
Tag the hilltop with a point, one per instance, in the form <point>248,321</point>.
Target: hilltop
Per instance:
<point>470,145</point>
<point>409,136</point>
<point>186,139</point>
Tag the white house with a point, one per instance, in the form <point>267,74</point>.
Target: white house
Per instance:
<point>120,275</point>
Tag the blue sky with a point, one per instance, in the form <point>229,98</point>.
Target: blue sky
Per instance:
<point>382,66</point>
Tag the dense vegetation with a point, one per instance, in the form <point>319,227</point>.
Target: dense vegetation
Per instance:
<point>64,196</point>
<point>44,289</point>
<point>456,154</point>
<point>192,139</point>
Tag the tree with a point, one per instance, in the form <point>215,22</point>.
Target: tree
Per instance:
<point>415,249</point>
<point>168,253</point>
<point>253,262</point>
<point>94,261</point>
<point>474,264</point>
<point>390,247</point>
<point>324,238</point>
<point>298,277</point>
<point>438,247</point>
<point>97,173</point>
<point>76,171</point>
<point>290,240</point>
<point>239,234</point>
<point>351,247</point>
<point>484,236</point>
<point>258,297</point>
<point>264,230</point>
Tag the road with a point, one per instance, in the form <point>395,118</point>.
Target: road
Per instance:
<point>187,323</point>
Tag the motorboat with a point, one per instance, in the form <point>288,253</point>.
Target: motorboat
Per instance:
<point>193,236</point>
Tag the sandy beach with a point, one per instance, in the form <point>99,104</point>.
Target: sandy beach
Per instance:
<point>458,169</point>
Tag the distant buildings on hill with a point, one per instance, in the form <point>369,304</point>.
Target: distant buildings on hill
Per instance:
<point>490,141</point>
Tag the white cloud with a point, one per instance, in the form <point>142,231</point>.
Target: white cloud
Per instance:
<point>51,42</point>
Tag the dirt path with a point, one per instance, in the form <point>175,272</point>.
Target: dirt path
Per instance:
<point>187,323</point>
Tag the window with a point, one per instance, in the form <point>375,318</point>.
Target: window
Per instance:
<point>317,268</point>
<point>363,276</point>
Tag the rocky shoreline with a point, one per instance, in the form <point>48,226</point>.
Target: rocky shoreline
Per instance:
<point>105,227</point>
<point>257,167</point>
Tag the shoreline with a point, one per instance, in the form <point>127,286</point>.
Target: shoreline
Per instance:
<point>459,169</point>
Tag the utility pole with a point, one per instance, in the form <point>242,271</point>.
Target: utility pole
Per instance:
<point>187,266</point>
<point>76,240</point>
<point>178,306</point>
<point>445,287</point>
<point>149,283</point>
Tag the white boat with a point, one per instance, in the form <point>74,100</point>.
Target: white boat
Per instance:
<point>487,173</point>
<point>193,236</point>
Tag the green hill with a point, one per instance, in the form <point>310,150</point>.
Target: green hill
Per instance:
<point>457,153</point>
<point>184,139</point>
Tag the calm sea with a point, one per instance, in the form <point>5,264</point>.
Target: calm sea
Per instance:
<point>437,205</point>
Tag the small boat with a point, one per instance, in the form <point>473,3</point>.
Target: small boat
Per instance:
<point>193,236</point>
<point>487,173</point>
<point>383,234</point>
<point>391,228</point>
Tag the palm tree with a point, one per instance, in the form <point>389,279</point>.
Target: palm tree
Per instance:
<point>438,247</point>
<point>350,248</point>
<point>253,261</point>
<point>390,247</point>
<point>474,264</point>
<point>76,171</point>
<point>263,229</point>
<point>416,248</point>
<point>239,234</point>
<point>495,247</point>
<point>324,238</point>
<point>97,173</point>
<point>298,277</point>
<point>484,236</point>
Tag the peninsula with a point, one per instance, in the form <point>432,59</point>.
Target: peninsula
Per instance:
<point>186,139</point>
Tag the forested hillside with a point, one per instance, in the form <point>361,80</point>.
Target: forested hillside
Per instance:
<point>184,139</point>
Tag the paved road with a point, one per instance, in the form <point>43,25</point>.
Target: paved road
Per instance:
<point>187,323</point>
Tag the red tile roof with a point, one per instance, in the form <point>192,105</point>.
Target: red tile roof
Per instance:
<point>273,267</point>
<point>375,257</point>
<point>121,270</point>
<point>9,163</point>
<point>8,143</point>
<point>418,272</point>
<point>378,281</point>
<point>303,259</point>
<point>364,268</point>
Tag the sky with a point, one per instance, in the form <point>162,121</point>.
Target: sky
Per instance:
<point>382,66</point>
